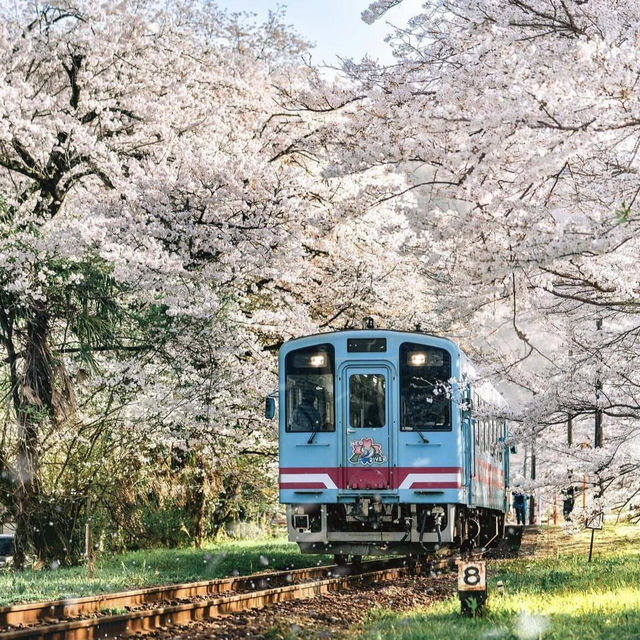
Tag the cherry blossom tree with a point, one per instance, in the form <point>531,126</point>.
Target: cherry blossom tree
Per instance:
<point>179,194</point>
<point>514,125</point>
<point>142,197</point>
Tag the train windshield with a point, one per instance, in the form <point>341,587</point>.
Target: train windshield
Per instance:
<point>425,397</point>
<point>367,400</point>
<point>309,391</point>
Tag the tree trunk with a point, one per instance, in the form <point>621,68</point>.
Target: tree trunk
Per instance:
<point>199,506</point>
<point>34,407</point>
<point>201,520</point>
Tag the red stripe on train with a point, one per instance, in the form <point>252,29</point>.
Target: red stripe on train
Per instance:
<point>396,476</point>
<point>435,485</point>
<point>405,470</point>
<point>302,485</point>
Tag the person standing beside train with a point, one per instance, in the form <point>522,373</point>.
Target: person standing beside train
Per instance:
<point>518,504</point>
<point>568,500</point>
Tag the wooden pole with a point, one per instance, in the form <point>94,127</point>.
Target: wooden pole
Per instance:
<point>532,514</point>
<point>88,542</point>
<point>570,417</point>
<point>533,463</point>
<point>598,437</point>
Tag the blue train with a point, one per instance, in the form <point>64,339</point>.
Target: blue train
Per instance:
<point>382,447</point>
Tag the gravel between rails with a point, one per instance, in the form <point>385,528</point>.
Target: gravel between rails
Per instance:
<point>327,616</point>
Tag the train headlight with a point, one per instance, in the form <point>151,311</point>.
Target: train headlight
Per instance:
<point>318,360</point>
<point>417,358</point>
<point>314,360</point>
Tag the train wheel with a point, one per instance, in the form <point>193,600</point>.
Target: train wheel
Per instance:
<point>340,558</point>
<point>356,559</point>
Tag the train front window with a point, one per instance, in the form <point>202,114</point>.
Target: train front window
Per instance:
<point>309,394</point>
<point>425,396</point>
<point>367,405</point>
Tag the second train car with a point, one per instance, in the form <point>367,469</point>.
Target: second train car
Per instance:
<point>386,445</point>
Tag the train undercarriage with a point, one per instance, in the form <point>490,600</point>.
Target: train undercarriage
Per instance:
<point>369,527</point>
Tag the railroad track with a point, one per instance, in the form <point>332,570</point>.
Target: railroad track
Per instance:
<point>147,609</point>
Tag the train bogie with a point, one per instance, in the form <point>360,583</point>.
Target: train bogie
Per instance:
<point>379,450</point>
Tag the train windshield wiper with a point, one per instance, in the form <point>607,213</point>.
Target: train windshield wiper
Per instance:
<point>422,436</point>
<point>313,435</point>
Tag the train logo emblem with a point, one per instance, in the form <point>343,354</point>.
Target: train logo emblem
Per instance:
<point>366,451</point>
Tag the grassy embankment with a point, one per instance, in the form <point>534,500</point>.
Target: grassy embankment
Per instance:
<point>557,596</point>
<point>151,567</point>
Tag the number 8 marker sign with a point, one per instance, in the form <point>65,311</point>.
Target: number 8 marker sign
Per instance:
<point>472,576</point>
<point>472,586</point>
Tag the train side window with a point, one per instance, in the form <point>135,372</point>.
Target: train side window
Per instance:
<point>367,404</point>
<point>502,435</point>
<point>480,422</point>
<point>309,389</point>
<point>476,421</point>
<point>425,397</point>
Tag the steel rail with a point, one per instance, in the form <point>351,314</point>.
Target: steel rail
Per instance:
<point>32,612</point>
<point>146,620</point>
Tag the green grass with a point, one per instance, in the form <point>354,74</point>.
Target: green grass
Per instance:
<point>151,567</point>
<point>559,597</point>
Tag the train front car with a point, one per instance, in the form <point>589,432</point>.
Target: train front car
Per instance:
<point>375,449</point>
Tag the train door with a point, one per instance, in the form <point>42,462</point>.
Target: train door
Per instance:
<point>367,420</point>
